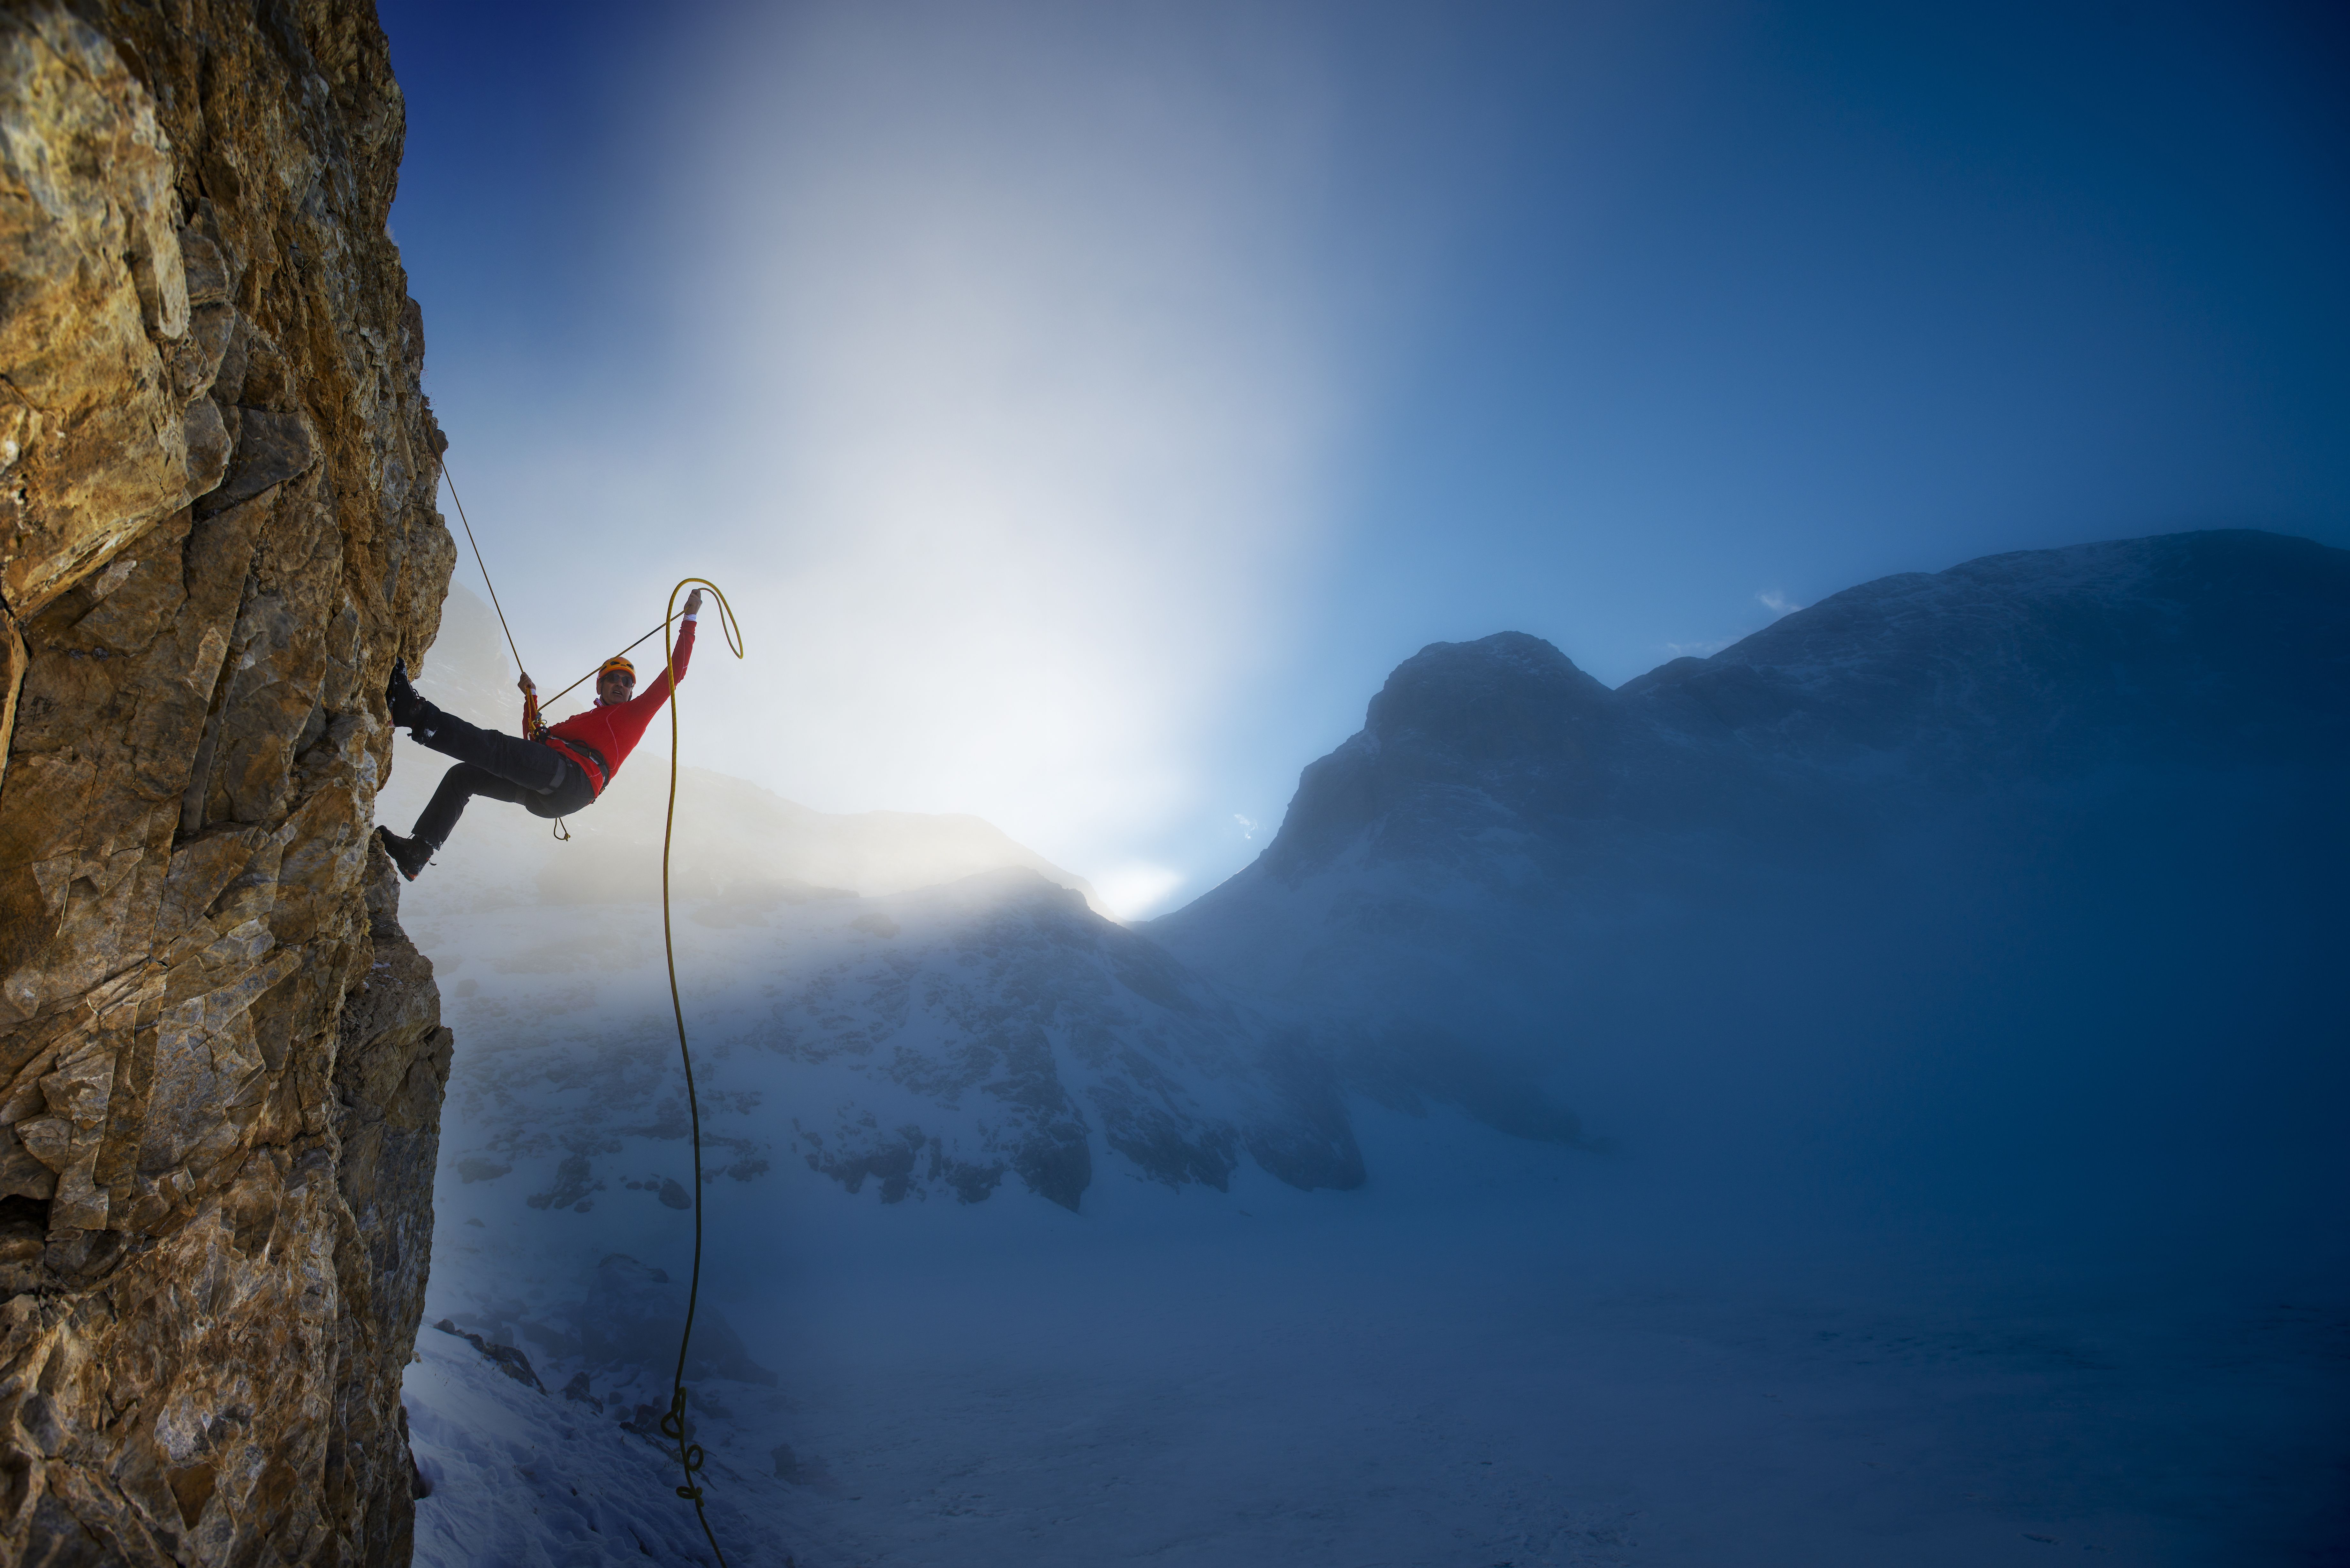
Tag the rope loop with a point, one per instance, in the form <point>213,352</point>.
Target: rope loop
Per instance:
<point>672,1425</point>
<point>726,621</point>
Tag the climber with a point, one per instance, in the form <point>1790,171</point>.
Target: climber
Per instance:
<point>556,770</point>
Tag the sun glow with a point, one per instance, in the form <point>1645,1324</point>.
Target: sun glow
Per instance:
<point>1016,397</point>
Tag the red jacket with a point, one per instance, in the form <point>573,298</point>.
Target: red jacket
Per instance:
<point>615,728</point>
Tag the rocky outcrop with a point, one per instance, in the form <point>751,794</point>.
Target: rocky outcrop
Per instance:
<point>221,1064</point>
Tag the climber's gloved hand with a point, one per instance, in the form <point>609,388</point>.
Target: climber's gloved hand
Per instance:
<point>693,603</point>
<point>525,687</point>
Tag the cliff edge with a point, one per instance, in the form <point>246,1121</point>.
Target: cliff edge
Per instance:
<point>221,1064</point>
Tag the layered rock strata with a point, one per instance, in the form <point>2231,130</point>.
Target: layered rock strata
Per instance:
<point>221,1064</point>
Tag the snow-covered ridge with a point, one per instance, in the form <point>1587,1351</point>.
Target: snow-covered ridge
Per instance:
<point>2182,649</point>
<point>1014,1026</point>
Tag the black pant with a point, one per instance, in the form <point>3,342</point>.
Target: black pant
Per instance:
<point>504,767</point>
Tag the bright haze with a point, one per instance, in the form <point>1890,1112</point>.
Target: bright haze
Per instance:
<point>1084,406</point>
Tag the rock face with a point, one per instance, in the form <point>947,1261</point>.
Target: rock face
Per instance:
<point>221,1064</point>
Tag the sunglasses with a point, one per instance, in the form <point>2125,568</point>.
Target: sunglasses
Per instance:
<point>619,675</point>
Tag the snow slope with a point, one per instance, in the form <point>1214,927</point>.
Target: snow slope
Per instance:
<point>1488,1358</point>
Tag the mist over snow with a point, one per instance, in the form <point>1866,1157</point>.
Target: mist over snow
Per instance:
<point>1864,1096</point>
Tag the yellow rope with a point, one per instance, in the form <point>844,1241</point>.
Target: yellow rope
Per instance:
<point>672,1425</point>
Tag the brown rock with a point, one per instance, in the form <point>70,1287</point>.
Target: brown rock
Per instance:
<point>89,245</point>
<point>221,1062</point>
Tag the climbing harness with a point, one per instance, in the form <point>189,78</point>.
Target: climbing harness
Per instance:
<point>672,1424</point>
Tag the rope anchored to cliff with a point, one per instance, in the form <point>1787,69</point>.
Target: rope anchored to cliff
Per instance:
<point>443,464</point>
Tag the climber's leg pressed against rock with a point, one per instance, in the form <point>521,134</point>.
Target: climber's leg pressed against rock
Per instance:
<point>557,772</point>
<point>528,774</point>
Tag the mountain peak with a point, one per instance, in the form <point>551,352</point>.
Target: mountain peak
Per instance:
<point>1457,722</point>
<point>1481,691</point>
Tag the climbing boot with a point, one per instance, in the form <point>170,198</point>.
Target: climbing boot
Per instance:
<point>408,707</point>
<point>411,855</point>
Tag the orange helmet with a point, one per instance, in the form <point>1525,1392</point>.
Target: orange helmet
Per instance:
<point>617,661</point>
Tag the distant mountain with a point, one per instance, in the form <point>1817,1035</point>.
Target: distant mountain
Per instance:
<point>1009,1028</point>
<point>940,1044</point>
<point>1510,869</point>
<point>2219,649</point>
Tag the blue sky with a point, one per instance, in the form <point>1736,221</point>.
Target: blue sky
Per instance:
<point>1086,404</point>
